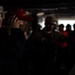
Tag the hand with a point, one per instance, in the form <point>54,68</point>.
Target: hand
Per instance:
<point>15,22</point>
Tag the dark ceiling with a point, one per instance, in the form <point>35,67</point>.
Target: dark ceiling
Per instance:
<point>51,5</point>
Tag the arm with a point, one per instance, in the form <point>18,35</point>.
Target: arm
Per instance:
<point>17,39</point>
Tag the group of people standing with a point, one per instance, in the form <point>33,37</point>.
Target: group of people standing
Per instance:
<point>42,52</point>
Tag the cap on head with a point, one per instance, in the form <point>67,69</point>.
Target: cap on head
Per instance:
<point>21,14</point>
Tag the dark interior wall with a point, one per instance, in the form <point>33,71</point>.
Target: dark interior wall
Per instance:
<point>37,3</point>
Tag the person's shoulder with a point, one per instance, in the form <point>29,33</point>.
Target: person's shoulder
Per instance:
<point>58,34</point>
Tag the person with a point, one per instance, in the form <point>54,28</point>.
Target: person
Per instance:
<point>50,38</point>
<point>42,46</point>
<point>13,43</point>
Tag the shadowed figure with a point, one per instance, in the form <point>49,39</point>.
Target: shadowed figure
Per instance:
<point>13,44</point>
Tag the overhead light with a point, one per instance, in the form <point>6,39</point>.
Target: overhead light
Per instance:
<point>40,13</point>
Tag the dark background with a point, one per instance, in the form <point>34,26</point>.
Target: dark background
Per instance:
<point>8,4</point>
<point>54,6</point>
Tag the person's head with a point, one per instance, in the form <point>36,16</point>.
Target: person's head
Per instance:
<point>19,18</point>
<point>61,27</point>
<point>50,23</point>
<point>68,27</point>
<point>74,26</point>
